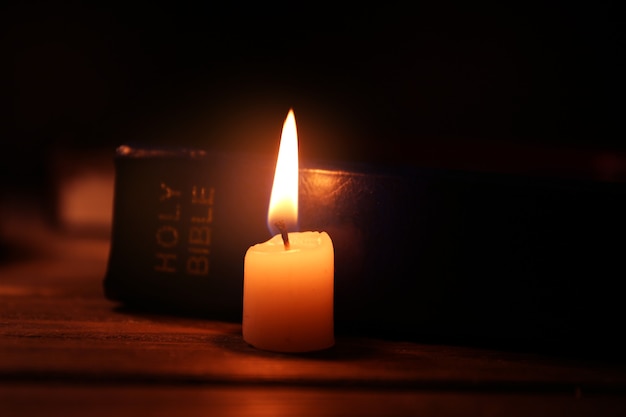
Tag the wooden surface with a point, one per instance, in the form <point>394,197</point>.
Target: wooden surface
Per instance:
<point>66,350</point>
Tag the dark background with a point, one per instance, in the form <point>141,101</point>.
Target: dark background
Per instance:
<point>472,85</point>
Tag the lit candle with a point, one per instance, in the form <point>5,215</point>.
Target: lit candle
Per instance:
<point>289,280</point>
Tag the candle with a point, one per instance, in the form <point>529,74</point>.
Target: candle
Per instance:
<point>289,280</point>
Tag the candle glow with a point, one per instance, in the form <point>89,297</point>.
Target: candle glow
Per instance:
<point>289,280</point>
<point>284,198</point>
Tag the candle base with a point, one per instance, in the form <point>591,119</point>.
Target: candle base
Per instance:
<point>287,340</point>
<point>290,349</point>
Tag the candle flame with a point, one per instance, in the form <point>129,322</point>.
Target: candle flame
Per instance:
<point>283,208</point>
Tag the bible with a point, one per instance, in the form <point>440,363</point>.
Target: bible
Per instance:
<point>429,253</point>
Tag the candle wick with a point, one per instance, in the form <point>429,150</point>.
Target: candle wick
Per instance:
<point>283,232</point>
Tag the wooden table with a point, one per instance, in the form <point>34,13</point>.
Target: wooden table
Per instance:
<point>66,350</point>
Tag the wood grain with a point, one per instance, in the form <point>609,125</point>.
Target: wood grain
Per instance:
<point>64,347</point>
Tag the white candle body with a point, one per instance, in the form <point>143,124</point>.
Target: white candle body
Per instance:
<point>288,294</point>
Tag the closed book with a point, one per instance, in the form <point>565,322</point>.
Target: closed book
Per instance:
<point>424,253</point>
